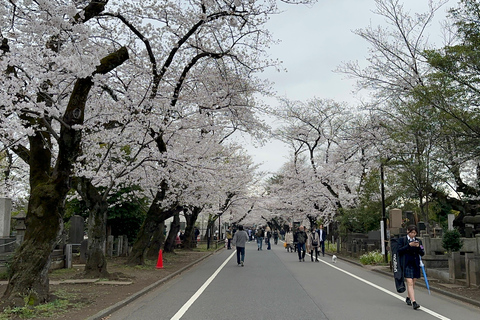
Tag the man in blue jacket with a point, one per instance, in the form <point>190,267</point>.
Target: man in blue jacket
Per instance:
<point>322,236</point>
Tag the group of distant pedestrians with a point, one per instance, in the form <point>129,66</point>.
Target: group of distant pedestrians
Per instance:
<point>300,241</point>
<point>303,240</point>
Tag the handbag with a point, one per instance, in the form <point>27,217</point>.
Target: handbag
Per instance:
<point>284,244</point>
<point>314,243</point>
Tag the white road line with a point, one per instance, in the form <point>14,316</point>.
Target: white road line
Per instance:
<point>197,294</point>
<point>422,308</point>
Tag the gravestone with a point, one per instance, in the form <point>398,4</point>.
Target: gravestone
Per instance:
<point>410,218</point>
<point>468,230</point>
<point>20,227</point>
<point>110,246</point>
<point>5,217</point>
<point>77,229</point>
<point>119,246</point>
<point>451,217</point>
<point>422,226</point>
<point>395,218</point>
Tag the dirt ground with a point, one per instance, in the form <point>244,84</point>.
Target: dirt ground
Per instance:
<point>87,299</point>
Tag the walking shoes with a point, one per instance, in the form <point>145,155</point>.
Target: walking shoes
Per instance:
<point>408,301</point>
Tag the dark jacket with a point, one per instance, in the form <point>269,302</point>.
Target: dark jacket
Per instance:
<point>324,234</point>
<point>301,236</point>
<point>410,256</point>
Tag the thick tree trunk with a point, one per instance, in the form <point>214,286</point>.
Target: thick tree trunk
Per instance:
<point>148,236</point>
<point>31,262</point>
<point>169,245</point>
<point>153,220</point>
<point>158,238</point>
<point>191,217</point>
<point>48,189</point>
<point>96,265</point>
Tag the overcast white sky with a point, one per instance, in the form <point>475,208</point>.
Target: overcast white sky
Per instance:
<point>315,40</point>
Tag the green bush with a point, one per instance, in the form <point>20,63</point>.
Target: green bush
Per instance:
<point>373,257</point>
<point>451,240</point>
<point>330,247</point>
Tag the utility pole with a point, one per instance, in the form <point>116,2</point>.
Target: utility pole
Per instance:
<point>384,218</point>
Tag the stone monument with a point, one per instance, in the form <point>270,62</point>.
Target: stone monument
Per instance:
<point>77,225</point>
<point>395,218</point>
<point>5,217</point>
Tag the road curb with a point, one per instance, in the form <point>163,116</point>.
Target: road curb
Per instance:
<point>105,312</point>
<point>437,290</point>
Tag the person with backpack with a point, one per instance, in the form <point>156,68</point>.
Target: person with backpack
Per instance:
<point>301,241</point>
<point>314,243</point>
<point>275,236</point>
<point>410,250</point>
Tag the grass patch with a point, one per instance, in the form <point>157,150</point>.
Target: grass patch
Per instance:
<point>372,258</point>
<point>4,275</point>
<point>61,305</point>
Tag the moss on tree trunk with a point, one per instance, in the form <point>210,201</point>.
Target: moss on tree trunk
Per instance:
<point>96,265</point>
<point>29,280</point>
<point>48,189</point>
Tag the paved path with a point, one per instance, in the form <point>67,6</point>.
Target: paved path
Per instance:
<point>275,285</point>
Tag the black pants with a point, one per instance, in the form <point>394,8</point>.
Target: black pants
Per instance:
<point>316,253</point>
<point>322,245</point>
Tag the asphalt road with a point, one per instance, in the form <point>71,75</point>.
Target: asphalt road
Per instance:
<point>273,284</point>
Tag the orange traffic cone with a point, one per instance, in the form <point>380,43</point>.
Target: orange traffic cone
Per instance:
<point>160,260</point>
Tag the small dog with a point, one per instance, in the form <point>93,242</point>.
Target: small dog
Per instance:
<point>334,259</point>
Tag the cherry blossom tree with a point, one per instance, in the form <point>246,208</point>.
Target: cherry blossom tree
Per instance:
<point>396,68</point>
<point>326,167</point>
<point>72,70</point>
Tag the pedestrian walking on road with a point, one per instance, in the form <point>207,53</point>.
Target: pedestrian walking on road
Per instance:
<point>259,238</point>
<point>229,238</point>
<point>289,241</point>
<point>301,241</point>
<point>322,236</point>
<point>239,239</point>
<point>314,243</point>
<point>197,233</point>
<point>268,237</point>
<point>295,239</point>
<point>410,249</point>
